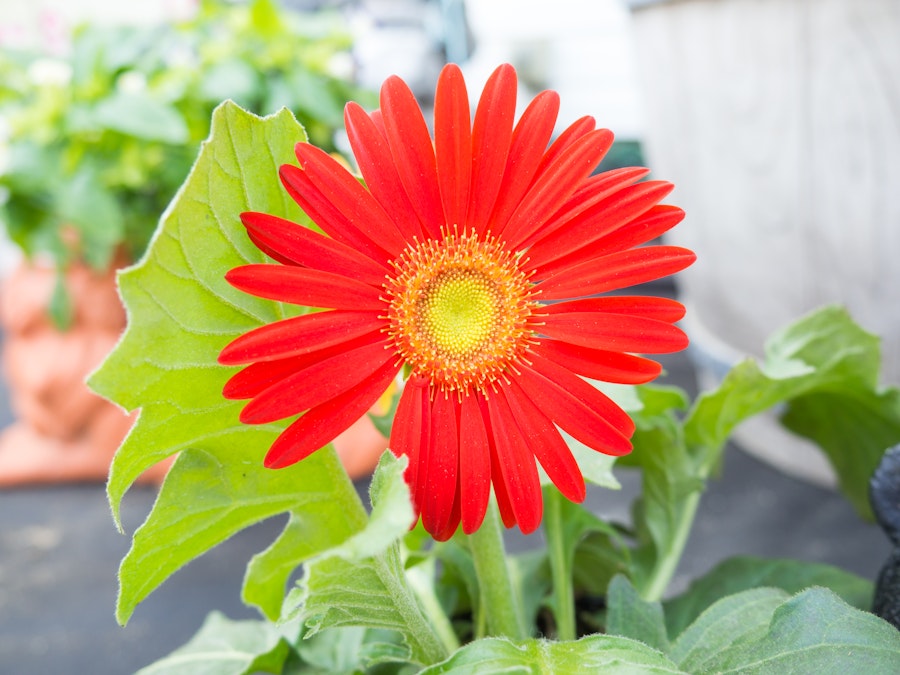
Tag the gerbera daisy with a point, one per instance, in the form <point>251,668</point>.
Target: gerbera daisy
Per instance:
<point>472,266</point>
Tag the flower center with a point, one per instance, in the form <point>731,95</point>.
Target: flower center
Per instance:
<point>460,310</point>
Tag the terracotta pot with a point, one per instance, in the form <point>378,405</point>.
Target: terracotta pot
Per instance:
<point>63,431</point>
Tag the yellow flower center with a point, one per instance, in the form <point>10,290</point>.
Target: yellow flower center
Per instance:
<point>460,310</point>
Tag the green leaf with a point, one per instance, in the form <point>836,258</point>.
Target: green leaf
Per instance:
<point>630,616</point>
<point>181,313</point>
<point>854,429</point>
<point>733,620</point>
<point>744,573</point>
<point>828,357</point>
<point>814,632</point>
<point>225,647</point>
<point>606,654</point>
<point>212,494</point>
<point>362,582</point>
<point>140,115</point>
<point>347,651</point>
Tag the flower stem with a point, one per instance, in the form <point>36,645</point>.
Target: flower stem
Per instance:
<point>664,570</point>
<point>560,566</point>
<point>499,602</point>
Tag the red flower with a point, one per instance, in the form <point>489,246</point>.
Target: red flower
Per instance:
<point>470,262</point>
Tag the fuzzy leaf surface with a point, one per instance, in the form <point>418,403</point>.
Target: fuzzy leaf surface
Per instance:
<point>747,572</point>
<point>812,632</point>
<point>362,582</point>
<point>181,312</point>
<point>592,654</point>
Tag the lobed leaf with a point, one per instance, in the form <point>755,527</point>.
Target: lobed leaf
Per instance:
<point>181,312</point>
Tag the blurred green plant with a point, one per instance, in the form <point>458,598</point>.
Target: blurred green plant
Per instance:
<point>97,143</point>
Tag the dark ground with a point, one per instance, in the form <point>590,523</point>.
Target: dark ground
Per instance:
<point>59,552</point>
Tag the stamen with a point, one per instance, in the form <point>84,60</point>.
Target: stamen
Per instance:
<point>461,311</point>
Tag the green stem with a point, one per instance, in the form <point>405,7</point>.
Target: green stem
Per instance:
<point>499,601</point>
<point>560,566</point>
<point>662,574</point>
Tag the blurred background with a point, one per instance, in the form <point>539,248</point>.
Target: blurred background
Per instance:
<point>778,121</point>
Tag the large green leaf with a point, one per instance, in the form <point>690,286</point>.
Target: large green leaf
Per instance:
<point>733,620</point>
<point>746,572</point>
<point>363,583</point>
<point>812,632</point>
<point>854,429</point>
<point>225,647</point>
<point>181,312</point>
<point>826,367</point>
<point>606,654</point>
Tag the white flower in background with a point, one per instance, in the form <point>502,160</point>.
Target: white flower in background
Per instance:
<point>131,82</point>
<point>341,64</point>
<point>50,72</point>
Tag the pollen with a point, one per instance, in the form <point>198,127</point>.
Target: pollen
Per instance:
<point>461,312</point>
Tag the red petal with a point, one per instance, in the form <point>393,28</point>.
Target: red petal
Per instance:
<point>257,377</point>
<point>443,464</point>
<point>529,142</point>
<point>325,214</point>
<point>474,464</point>
<point>373,155</point>
<point>359,208</point>
<point>547,445</point>
<point>453,144</point>
<point>298,335</point>
<point>616,332</point>
<point>599,364</point>
<point>578,129</point>
<point>605,216</point>
<point>652,224</point>
<point>576,407</point>
<point>409,434</point>
<point>321,424</point>
<point>606,202</point>
<point>661,309</point>
<point>452,523</point>
<point>317,383</point>
<point>491,135</point>
<point>517,467</point>
<point>618,270</point>
<point>555,185</point>
<point>500,493</point>
<point>413,152</point>
<point>594,190</point>
<point>302,286</point>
